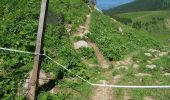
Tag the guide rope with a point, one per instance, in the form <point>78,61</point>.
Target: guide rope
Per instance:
<point>98,85</point>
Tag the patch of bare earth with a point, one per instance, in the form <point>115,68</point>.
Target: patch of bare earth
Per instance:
<point>102,93</point>
<point>148,98</point>
<point>102,61</point>
<point>126,96</point>
<point>127,61</point>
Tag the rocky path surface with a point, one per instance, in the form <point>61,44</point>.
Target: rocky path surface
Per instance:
<point>98,93</point>
<point>102,93</point>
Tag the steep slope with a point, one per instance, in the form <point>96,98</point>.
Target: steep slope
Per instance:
<point>152,21</point>
<point>116,40</point>
<point>18,27</point>
<point>140,58</point>
<point>140,5</point>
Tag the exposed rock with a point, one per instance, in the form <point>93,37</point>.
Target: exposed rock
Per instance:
<point>156,58</point>
<point>148,98</point>
<point>86,32</point>
<point>82,27</point>
<point>68,27</point>
<point>148,54</point>
<point>151,66</point>
<point>122,67</point>
<point>81,44</point>
<point>150,62</point>
<point>120,29</point>
<point>135,66</point>
<point>117,77</point>
<point>167,74</point>
<point>153,51</point>
<point>162,54</point>
<point>127,61</point>
<point>142,74</point>
<point>43,79</point>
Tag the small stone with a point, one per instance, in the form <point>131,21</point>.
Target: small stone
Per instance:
<point>135,66</point>
<point>167,74</point>
<point>122,67</point>
<point>81,44</point>
<point>149,62</point>
<point>120,29</point>
<point>68,27</point>
<point>117,77</point>
<point>153,51</point>
<point>82,27</point>
<point>151,66</point>
<point>162,54</point>
<point>148,98</point>
<point>148,54</point>
<point>142,74</point>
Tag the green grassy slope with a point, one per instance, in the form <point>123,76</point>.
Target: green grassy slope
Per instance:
<point>133,43</point>
<point>18,28</point>
<point>114,44</point>
<point>145,15</point>
<point>152,21</point>
<point>141,5</point>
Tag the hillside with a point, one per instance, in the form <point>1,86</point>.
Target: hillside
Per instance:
<point>140,5</point>
<point>92,47</point>
<point>134,56</point>
<point>19,24</point>
<point>155,22</point>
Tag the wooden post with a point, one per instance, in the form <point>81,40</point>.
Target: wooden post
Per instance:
<point>33,86</point>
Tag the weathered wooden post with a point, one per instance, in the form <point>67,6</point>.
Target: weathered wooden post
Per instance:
<point>33,86</point>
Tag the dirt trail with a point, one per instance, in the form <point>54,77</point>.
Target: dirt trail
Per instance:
<point>98,93</point>
<point>99,55</point>
<point>102,93</point>
<point>103,63</point>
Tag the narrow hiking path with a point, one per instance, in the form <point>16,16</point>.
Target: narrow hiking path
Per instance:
<point>102,61</point>
<point>102,93</point>
<point>98,93</point>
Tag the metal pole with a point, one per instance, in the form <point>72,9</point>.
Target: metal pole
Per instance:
<point>33,86</point>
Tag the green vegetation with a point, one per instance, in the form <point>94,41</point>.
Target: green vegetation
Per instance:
<point>18,28</point>
<point>114,44</point>
<point>148,76</point>
<point>120,44</point>
<point>152,21</point>
<point>140,5</point>
<point>19,23</point>
<point>149,15</point>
